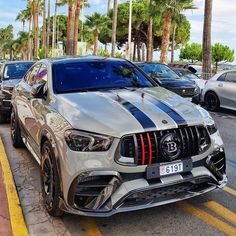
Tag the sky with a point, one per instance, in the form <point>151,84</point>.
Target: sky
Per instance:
<point>223,21</point>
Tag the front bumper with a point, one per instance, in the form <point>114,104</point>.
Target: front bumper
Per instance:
<point>103,193</point>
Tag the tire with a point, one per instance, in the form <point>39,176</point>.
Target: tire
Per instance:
<point>212,101</point>
<point>16,138</point>
<point>3,119</point>
<point>50,181</point>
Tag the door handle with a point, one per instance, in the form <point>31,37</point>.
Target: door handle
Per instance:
<point>220,85</point>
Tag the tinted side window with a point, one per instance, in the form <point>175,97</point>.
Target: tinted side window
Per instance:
<point>222,77</point>
<point>30,79</point>
<point>231,77</point>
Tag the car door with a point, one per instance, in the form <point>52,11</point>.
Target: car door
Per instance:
<point>227,89</point>
<point>23,101</point>
<point>38,108</point>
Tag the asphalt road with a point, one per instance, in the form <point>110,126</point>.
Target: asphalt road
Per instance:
<point>211,214</point>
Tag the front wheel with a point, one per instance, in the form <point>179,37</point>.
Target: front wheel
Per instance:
<point>212,101</point>
<point>50,181</point>
<point>15,131</point>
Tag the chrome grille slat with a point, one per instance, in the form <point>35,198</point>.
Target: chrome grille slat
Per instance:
<point>194,140</point>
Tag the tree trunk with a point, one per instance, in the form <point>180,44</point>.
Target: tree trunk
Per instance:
<point>165,37</point>
<point>206,41</point>
<point>150,35</point>
<point>30,40</point>
<point>143,52</point>
<point>44,37</point>
<point>76,26</point>
<point>70,29</point>
<point>54,24</point>
<point>108,6</point>
<point>95,49</point>
<point>48,30</point>
<point>138,46</point>
<point>35,17</point>
<point>114,26</point>
<point>173,44</point>
<point>134,50</point>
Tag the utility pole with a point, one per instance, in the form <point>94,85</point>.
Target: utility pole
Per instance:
<point>130,30</point>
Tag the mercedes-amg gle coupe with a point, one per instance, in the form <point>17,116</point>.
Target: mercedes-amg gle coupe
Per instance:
<point>108,139</point>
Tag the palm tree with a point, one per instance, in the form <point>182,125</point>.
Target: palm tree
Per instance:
<point>35,26</point>
<point>96,22</point>
<point>22,16</point>
<point>206,42</point>
<point>170,7</point>
<point>150,32</point>
<point>78,4</point>
<point>44,35</point>
<point>114,26</point>
<point>48,29</point>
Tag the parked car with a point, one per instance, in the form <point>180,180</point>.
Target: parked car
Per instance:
<point>220,91</point>
<point>168,79</point>
<point>188,75</point>
<point>109,140</point>
<point>10,74</point>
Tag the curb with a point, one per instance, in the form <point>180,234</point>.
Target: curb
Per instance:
<point>17,220</point>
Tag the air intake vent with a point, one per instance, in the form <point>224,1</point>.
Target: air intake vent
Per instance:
<point>93,191</point>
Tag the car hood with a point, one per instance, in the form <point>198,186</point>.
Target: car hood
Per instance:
<point>124,111</point>
<point>177,83</point>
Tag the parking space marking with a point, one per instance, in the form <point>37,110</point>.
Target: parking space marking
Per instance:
<point>91,227</point>
<point>221,211</point>
<point>209,219</point>
<point>16,215</point>
<point>230,190</point>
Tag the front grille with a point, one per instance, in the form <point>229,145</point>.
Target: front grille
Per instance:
<point>165,193</point>
<point>146,148</point>
<point>93,191</point>
<point>184,92</point>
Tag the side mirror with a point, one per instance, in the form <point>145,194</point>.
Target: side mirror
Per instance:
<point>37,91</point>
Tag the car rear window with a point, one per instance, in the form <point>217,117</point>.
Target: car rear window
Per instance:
<point>16,71</point>
<point>95,75</point>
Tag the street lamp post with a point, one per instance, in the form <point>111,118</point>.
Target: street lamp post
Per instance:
<point>130,30</point>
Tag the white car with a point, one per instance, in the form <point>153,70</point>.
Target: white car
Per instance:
<point>220,91</point>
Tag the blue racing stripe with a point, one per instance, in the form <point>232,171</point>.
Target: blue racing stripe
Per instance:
<point>142,118</point>
<point>172,113</point>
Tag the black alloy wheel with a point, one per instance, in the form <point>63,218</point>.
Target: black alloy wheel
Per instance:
<point>15,131</point>
<point>212,101</point>
<point>50,181</point>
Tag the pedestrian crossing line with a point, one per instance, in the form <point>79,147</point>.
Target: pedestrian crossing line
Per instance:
<point>230,190</point>
<point>209,219</point>
<point>221,211</point>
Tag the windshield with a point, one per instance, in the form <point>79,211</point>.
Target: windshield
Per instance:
<point>16,71</point>
<point>159,71</point>
<point>95,75</point>
<point>187,74</point>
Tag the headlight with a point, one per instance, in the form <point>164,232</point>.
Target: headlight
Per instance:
<point>87,142</point>
<point>197,90</point>
<point>212,128</point>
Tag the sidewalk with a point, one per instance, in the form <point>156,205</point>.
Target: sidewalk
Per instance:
<point>5,224</point>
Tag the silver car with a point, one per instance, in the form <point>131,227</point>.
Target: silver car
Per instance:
<point>220,91</point>
<point>109,140</point>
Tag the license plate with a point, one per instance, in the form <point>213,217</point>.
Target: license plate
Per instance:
<point>171,169</point>
<point>164,169</point>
